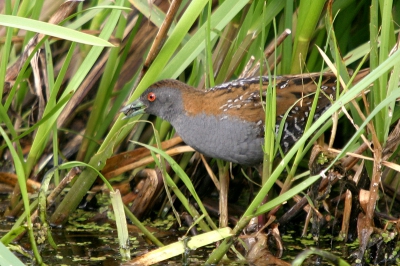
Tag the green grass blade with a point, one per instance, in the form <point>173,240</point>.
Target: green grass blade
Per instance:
<point>52,30</point>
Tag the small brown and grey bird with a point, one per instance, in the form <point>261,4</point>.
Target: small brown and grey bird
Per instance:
<point>227,121</point>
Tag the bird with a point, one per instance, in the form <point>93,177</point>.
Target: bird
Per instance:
<point>227,121</point>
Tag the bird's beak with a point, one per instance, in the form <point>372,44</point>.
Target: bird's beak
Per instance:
<point>134,109</point>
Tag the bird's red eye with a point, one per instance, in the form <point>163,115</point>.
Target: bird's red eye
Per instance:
<point>151,96</point>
